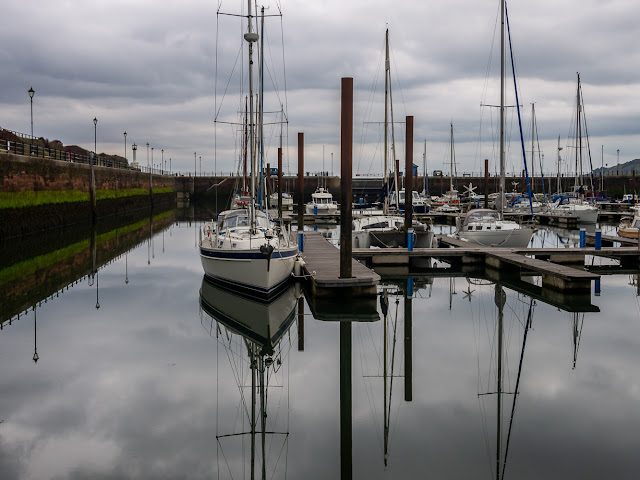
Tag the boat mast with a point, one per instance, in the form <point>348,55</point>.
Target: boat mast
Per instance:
<point>451,173</point>
<point>244,163</point>
<point>502,166</point>
<point>559,160</point>
<point>533,163</point>
<point>578,138</point>
<point>251,37</point>
<point>424,167</point>
<point>393,136</point>
<point>385,207</point>
<point>500,299</point>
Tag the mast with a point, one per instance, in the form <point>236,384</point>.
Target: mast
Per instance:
<point>578,137</point>
<point>533,163</point>
<point>385,207</point>
<point>262,189</point>
<point>502,163</point>
<point>451,173</point>
<point>499,299</point>
<point>244,163</point>
<point>251,37</point>
<point>393,136</point>
<point>559,160</point>
<point>424,167</point>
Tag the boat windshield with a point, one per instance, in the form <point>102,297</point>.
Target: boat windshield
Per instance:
<point>482,215</point>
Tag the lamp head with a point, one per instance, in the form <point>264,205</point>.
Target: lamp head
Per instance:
<point>95,121</point>
<point>31,92</point>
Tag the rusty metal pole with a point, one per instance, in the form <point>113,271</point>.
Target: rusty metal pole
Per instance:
<point>486,183</point>
<point>408,183</point>
<point>300,191</point>
<point>346,151</point>
<point>280,183</point>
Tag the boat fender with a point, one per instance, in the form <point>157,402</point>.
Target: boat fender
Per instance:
<point>267,251</point>
<point>298,266</point>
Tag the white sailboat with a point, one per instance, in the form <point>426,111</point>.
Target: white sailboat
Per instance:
<point>574,203</point>
<point>245,247</point>
<point>487,227</point>
<point>369,230</point>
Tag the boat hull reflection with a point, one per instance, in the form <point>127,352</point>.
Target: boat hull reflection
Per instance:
<point>262,322</point>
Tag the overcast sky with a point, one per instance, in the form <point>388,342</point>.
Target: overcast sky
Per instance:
<point>149,69</point>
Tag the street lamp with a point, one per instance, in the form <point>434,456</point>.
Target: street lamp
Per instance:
<point>162,161</point>
<point>618,166</point>
<point>200,165</point>
<point>147,154</point>
<point>195,164</point>
<point>152,159</point>
<point>169,164</point>
<point>134,147</point>
<point>95,139</point>
<point>31,92</point>
<point>125,145</point>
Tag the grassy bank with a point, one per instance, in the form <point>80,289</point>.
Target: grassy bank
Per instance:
<point>35,198</point>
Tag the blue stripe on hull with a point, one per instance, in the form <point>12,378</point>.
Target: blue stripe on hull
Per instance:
<point>246,255</point>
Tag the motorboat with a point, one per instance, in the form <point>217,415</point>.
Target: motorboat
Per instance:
<point>321,203</point>
<point>630,225</point>
<point>487,227</point>
<point>419,204</point>
<point>287,200</point>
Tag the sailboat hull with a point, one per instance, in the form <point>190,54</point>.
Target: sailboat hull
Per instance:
<point>249,271</point>
<point>516,238</point>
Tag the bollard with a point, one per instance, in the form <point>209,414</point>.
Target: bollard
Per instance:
<point>300,242</point>
<point>583,237</point>
<point>410,240</point>
<point>598,239</point>
<point>409,287</point>
<point>597,287</point>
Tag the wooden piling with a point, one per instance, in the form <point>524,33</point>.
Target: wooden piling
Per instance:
<point>486,183</point>
<point>408,176</point>
<point>346,151</point>
<point>300,182</point>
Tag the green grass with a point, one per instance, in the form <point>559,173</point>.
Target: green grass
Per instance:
<point>33,198</point>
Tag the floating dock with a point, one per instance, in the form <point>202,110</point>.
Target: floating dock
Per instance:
<point>322,269</point>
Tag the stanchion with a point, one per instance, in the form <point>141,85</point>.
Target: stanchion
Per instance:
<point>598,239</point>
<point>583,237</point>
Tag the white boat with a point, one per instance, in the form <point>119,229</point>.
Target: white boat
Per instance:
<point>385,229</point>
<point>487,227</point>
<point>574,206</point>
<point>630,225</point>
<point>521,204</point>
<point>287,201</point>
<point>245,248</point>
<point>321,203</point>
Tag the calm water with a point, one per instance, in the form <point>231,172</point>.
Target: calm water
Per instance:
<point>157,384</point>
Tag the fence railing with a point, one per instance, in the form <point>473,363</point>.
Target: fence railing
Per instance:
<point>34,150</point>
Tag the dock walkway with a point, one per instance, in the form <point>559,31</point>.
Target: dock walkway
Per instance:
<point>322,265</point>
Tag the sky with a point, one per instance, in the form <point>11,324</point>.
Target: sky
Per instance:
<point>169,75</point>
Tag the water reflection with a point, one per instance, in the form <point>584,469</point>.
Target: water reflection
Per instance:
<point>252,334</point>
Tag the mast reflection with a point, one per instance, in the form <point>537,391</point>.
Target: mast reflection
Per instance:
<point>253,331</point>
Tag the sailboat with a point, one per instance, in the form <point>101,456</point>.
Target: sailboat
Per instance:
<point>574,203</point>
<point>449,201</point>
<point>487,227</point>
<point>370,230</point>
<point>246,248</point>
<point>253,335</point>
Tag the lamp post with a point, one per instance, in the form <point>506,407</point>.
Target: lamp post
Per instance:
<point>618,165</point>
<point>95,139</point>
<point>147,154</point>
<point>152,159</point>
<point>97,284</point>
<point>200,165</point>
<point>162,161</point>
<point>169,164</point>
<point>125,145</point>
<point>31,92</point>
<point>134,147</point>
<point>195,164</point>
